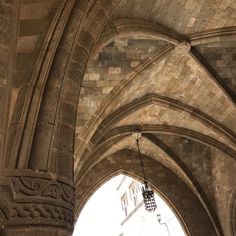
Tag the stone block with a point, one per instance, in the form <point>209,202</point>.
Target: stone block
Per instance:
<point>114,70</point>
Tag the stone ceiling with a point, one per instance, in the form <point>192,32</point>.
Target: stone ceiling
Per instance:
<point>184,17</point>
<point>165,68</point>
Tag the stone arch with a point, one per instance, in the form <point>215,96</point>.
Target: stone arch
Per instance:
<point>168,157</point>
<point>108,130</point>
<point>176,105</point>
<point>115,135</point>
<point>128,27</point>
<point>59,92</point>
<point>67,94</point>
<point>127,161</point>
<point>104,179</point>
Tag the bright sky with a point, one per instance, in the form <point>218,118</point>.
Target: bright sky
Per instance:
<point>102,213</point>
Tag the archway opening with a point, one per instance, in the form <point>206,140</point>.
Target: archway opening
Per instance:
<point>117,209</point>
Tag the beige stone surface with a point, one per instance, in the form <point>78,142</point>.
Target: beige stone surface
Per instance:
<point>77,78</point>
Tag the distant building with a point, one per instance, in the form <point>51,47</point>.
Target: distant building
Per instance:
<point>136,221</point>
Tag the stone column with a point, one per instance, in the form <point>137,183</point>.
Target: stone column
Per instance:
<point>35,203</point>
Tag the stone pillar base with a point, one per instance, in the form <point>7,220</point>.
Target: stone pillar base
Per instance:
<point>32,231</point>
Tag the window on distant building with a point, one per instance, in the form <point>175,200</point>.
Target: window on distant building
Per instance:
<point>124,203</point>
<point>133,190</point>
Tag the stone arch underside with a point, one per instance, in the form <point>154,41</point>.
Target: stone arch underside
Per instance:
<point>186,204</point>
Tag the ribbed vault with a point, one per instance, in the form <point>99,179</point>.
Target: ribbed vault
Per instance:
<point>165,75</point>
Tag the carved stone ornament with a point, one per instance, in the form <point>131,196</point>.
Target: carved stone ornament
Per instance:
<point>36,198</point>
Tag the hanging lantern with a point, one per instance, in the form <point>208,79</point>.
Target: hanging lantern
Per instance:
<point>148,194</point>
<point>148,198</point>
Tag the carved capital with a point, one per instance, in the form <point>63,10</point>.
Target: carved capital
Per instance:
<point>36,198</point>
